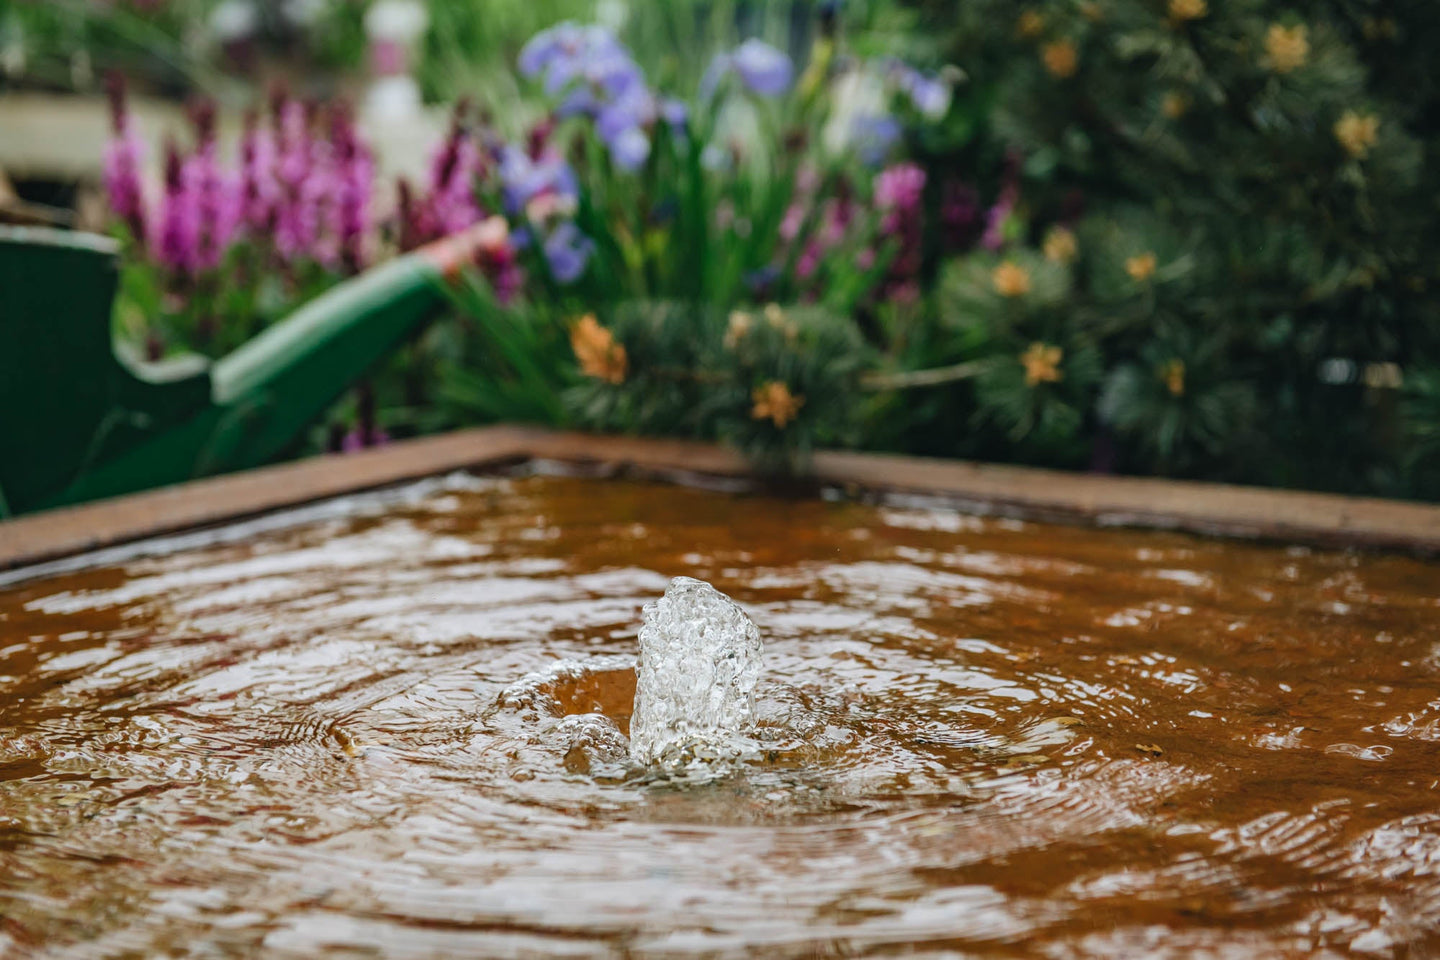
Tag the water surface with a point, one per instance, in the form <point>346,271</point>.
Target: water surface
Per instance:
<point>347,737</point>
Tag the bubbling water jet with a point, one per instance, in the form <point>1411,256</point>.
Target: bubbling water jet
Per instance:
<point>699,663</point>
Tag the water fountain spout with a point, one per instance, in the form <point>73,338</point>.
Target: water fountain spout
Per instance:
<point>700,658</point>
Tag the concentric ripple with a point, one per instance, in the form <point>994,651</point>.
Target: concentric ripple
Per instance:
<point>397,726</point>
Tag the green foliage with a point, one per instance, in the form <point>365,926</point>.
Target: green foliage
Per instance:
<point>1215,243</point>
<point>667,384</point>
<point>817,356</point>
<point>776,384</point>
<point>497,363</point>
<point>1272,160</point>
<point>1176,402</point>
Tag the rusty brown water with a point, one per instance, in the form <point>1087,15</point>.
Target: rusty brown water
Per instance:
<point>985,736</point>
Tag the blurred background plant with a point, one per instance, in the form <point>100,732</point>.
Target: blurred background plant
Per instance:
<point>1238,197</point>
<point>1157,236</point>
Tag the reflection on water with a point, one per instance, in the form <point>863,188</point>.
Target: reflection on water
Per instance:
<point>982,736</point>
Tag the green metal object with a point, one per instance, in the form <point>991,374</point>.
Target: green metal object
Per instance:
<point>78,422</point>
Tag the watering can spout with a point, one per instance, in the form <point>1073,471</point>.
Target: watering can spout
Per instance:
<point>79,422</point>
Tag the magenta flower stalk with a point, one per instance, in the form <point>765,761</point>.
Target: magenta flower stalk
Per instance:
<point>455,206</point>
<point>216,197</point>
<point>260,191</point>
<point>124,156</point>
<point>354,179</point>
<point>320,206</point>
<point>178,231</point>
<point>507,279</point>
<point>417,222</point>
<point>445,163</point>
<point>217,208</point>
<point>899,194</point>
<point>898,187</point>
<point>297,218</point>
<point>454,169</point>
<point>296,145</point>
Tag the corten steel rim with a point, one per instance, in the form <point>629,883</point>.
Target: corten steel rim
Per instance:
<point>1317,519</point>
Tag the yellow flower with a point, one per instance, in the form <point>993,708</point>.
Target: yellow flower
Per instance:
<point>775,402</point>
<point>1061,245</point>
<point>1031,24</point>
<point>1010,279</point>
<point>596,350</point>
<point>1060,58</point>
<point>1288,47</point>
<point>1174,105</point>
<point>735,330</point>
<point>1357,132</point>
<point>1042,364</point>
<point>1141,267</point>
<point>1182,10</point>
<point>1173,373</point>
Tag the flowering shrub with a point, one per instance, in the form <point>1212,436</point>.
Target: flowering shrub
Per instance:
<point>1207,254</point>
<point>224,246</point>
<point>1172,237</point>
<point>657,233</point>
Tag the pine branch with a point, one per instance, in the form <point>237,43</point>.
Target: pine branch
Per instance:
<point>935,376</point>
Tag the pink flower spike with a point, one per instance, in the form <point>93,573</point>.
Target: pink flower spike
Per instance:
<point>900,187</point>
<point>177,236</point>
<point>260,190</point>
<point>124,156</point>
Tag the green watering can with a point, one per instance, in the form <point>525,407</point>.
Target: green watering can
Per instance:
<point>79,421</point>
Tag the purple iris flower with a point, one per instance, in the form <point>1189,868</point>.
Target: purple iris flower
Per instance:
<point>762,68</point>
<point>622,123</point>
<point>634,108</point>
<point>629,149</point>
<point>568,252</point>
<point>930,95</point>
<point>579,102</point>
<point>568,52</point>
<point>599,79</point>
<point>675,112</point>
<point>874,135</point>
<point>549,46</point>
<point>523,178</point>
<point>612,71</point>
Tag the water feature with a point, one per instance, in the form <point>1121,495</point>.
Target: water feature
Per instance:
<point>403,726</point>
<point>699,662</point>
